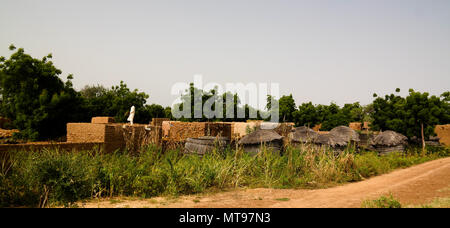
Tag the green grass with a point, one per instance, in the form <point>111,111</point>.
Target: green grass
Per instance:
<point>382,202</point>
<point>283,199</point>
<point>55,178</point>
<point>436,203</point>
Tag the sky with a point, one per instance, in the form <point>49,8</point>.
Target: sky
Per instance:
<point>319,51</point>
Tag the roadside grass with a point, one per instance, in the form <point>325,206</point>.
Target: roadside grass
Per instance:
<point>48,178</point>
<point>382,202</point>
<point>283,199</point>
<point>436,203</point>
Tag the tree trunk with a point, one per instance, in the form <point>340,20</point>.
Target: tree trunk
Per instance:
<point>423,138</point>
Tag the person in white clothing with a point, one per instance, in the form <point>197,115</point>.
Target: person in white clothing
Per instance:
<point>131,117</point>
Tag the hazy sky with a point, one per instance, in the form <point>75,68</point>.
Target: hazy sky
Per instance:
<point>320,51</point>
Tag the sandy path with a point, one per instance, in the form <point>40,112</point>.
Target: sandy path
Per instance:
<point>416,185</point>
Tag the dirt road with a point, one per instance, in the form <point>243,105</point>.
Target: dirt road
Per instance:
<point>413,186</point>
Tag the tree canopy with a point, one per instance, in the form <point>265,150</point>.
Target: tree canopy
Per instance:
<point>407,115</point>
<point>39,103</point>
<point>33,96</point>
<point>330,116</point>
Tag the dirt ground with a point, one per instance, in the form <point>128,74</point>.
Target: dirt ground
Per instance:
<point>417,185</point>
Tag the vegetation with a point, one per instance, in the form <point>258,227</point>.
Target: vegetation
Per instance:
<point>57,178</point>
<point>436,203</point>
<point>382,202</point>
<point>40,104</point>
<point>330,116</point>
<point>117,101</point>
<point>414,116</point>
<point>232,108</point>
<point>33,96</point>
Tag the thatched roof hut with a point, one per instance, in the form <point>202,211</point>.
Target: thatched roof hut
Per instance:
<point>303,135</point>
<point>269,138</point>
<point>389,141</point>
<point>205,144</point>
<point>331,140</point>
<point>346,133</point>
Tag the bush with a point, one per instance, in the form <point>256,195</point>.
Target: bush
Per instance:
<point>382,202</point>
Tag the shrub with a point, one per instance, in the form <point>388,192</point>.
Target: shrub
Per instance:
<point>382,202</point>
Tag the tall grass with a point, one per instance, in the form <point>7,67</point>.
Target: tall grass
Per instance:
<point>55,177</point>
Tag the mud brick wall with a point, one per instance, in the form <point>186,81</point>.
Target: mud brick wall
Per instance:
<point>240,128</point>
<point>102,120</point>
<point>443,132</point>
<point>357,126</point>
<point>180,131</point>
<point>114,136</point>
<point>123,136</point>
<point>158,121</point>
<point>132,137</point>
<point>218,129</point>
<point>86,132</point>
<point>109,134</point>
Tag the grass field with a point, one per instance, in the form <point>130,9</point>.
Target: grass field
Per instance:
<point>53,178</point>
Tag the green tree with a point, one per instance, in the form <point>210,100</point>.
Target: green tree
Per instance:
<point>198,99</point>
<point>116,102</point>
<point>330,116</point>
<point>287,108</point>
<point>416,115</point>
<point>33,96</point>
<point>389,113</point>
<point>307,115</point>
<point>152,111</point>
<point>423,113</point>
<point>168,113</point>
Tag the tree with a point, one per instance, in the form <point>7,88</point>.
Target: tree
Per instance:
<point>307,115</point>
<point>334,117</point>
<point>90,92</point>
<point>151,111</point>
<point>423,113</point>
<point>168,113</point>
<point>116,102</point>
<point>416,115</point>
<point>37,101</point>
<point>287,108</point>
<point>198,99</point>
<point>389,113</point>
<point>330,116</point>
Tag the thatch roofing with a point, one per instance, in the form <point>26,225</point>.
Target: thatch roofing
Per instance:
<point>260,136</point>
<point>303,134</point>
<point>389,138</point>
<point>346,133</point>
<point>208,140</point>
<point>331,140</point>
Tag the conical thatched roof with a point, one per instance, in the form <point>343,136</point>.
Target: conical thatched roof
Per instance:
<point>331,140</point>
<point>389,138</point>
<point>260,136</point>
<point>303,134</point>
<point>346,133</point>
